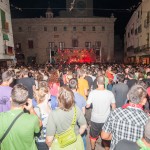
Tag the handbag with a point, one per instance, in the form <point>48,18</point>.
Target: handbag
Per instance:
<point>68,137</point>
<point>7,131</point>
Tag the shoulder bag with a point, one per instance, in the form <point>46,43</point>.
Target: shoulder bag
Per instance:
<point>7,131</point>
<point>69,136</point>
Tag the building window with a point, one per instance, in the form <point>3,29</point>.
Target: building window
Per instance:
<point>55,28</point>
<point>93,29</point>
<point>84,28</point>
<point>18,47</point>
<point>74,29</point>
<point>128,34</point>
<point>51,44</point>
<point>45,28</point>
<point>132,31</point>
<point>103,28</point>
<point>98,44</point>
<point>20,29</point>
<point>74,43</point>
<point>3,18</point>
<point>30,44</point>
<point>148,17</point>
<point>88,45</point>
<point>65,28</point>
<point>138,14</point>
<point>147,39</point>
<point>140,29</point>
<point>29,29</point>
<point>136,32</point>
<point>61,45</point>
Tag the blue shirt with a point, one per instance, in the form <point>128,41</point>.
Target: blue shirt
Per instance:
<point>53,103</point>
<point>79,100</point>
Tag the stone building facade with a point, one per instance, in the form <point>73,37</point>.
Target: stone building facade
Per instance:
<point>6,35</point>
<point>137,36</point>
<point>36,37</point>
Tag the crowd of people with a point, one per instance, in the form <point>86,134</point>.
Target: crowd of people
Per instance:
<point>57,107</point>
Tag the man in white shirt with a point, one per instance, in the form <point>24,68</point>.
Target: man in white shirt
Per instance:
<point>102,101</point>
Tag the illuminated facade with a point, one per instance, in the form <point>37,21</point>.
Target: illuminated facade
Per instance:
<point>137,36</point>
<point>74,30</point>
<point>6,35</point>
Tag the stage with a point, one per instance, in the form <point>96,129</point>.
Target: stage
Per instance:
<point>75,56</point>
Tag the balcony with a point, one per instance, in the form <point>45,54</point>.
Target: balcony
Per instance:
<point>130,49</point>
<point>143,48</point>
<point>6,27</point>
<point>147,23</point>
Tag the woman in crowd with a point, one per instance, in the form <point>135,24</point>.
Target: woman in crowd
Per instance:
<point>61,120</point>
<point>54,83</point>
<point>42,110</point>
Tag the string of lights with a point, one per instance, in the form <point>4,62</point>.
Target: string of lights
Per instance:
<point>131,9</point>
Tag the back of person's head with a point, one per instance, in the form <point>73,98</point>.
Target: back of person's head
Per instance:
<point>101,80</point>
<point>140,75</point>
<point>30,74</point>
<point>43,84</point>
<point>25,72</point>
<point>99,73</point>
<point>7,75</point>
<point>81,72</point>
<point>73,83</point>
<point>19,94</point>
<point>148,74</point>
<point>131,74</point>
<point>40,94</point>
<point>120,77</point>
<point>137,93</point>
<point>147,132</point>
<point>66,98</point>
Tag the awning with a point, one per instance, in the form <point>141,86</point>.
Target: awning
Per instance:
<point>5,37</point>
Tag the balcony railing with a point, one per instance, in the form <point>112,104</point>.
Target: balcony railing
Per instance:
<point>143,48</point>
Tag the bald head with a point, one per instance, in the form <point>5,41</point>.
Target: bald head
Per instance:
<point>101,80</point>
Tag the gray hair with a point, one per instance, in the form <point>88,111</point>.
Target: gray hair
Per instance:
<point>7,75</point>
<point>136,94</point>
<point>19,94</point>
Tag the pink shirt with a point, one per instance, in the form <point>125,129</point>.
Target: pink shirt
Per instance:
<point>54,89</point>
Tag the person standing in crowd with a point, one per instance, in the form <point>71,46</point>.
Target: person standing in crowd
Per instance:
<point>54,83</point>
<point>28,82</point>
<point>82,84</point>
<point>147,80</point>
<point>19,138</point>
<point>89,79</point>
<point>110,76</point>
<point>42,110</point>
<point>102,100</point>
<point>79,101</point>
<point>127,122</point>
<point>5,90</point>
<point>120,91</point>
<point>131,79</point>
<point>99,73</point>
<point>60,120</point>
<point>141,144</point>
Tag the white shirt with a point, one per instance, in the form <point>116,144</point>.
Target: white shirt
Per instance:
<point>101,101</point>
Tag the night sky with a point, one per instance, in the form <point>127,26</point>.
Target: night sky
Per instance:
<point>122,9</point>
